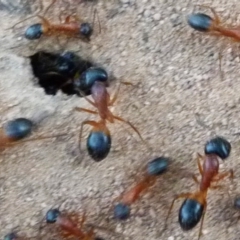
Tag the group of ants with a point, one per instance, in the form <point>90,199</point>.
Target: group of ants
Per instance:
<point>92,80</point>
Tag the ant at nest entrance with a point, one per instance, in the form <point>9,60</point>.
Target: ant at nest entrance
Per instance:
<point>65,71</point>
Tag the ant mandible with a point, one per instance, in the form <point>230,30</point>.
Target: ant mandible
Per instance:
<point>99,139</point>
<point>204,23</point>
<point>154,168</point>
<point>69,226</point>
<point>195,204</point>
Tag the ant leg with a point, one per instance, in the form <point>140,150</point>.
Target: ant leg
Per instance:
<point>86,98</point>
<point>194,177</point>
<point>37,138</point>
<point>85,110</point>
<point>223,175</point>
<point>182,195</point>
<point>40,9</point>
<point>199,157</point>
<point>50,5</point>
<point>130,124</point>
<point>94,17</point>
<point>203,215</point>
<point>115,96</point>
<point>216,17</point>
<point>46,24</point>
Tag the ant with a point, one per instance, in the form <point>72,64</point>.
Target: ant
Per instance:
<point>154,168</point>
<point>16,130</point>
<point>71,26</point>
<point>68,225</point>
<point>204,23</point>
<point>99,139</point>
<point>86,80</point>
<point>11,236</point>
<point>194,207</point>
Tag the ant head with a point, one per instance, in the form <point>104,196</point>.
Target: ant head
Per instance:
<point>157,166</point>
<point>200,22</point>
<point>219,146</point>
<point>86,30</point>
<point>18,128</point>
<point>89,77</point>
<point>121,211</point>
<point>10,236</point>
<point>52,215</point>
<point>33,32</point>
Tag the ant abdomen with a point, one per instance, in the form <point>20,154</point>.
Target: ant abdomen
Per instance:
<point>10,236</point>
<point>219,146</point>
<point>121,211</point>
<point>190,214</point>
<point>157,166</point>
<point>86,30</point>
<point>200,22</point>
<point>33,32</point>
<point>98,145</point>
<point>18,128</point>
<point>52,215</point>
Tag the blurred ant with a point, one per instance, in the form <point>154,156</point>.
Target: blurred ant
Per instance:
<point>204,23</point>
<point>72,27</point>
<point>99,139</point>
<point>195,204</point>
<point>154,168</point>
<point>68,223</point>
<point>11,236</point>
<point>16,130</point>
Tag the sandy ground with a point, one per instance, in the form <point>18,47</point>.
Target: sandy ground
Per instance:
<point>178,102</point>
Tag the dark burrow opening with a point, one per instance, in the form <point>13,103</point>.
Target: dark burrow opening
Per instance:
<point>66,72</point>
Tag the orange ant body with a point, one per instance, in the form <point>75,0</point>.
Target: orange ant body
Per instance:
<point>69,28</point>
<point>154,168</point>
<point>195,204</point>
<point>72,27</point>
<point>204,23</point>
<point>99,139</point>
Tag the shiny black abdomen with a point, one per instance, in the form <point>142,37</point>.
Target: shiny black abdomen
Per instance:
<point>190,214</point>
<point>98,145</point>
<point>200,22</point>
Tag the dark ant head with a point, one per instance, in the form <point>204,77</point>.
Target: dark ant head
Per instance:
<point>33,32</point>
<point>52,215</point>
<point>18,128</point>
<point>157,166</point>
<point>219,146</point>
<point>10,236</point>
<point>190,214</point>
<point>98,145</point>
<point>89,77</point>
<point>121,211</point>
<point>86,30</point>
<point>200,22</point>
